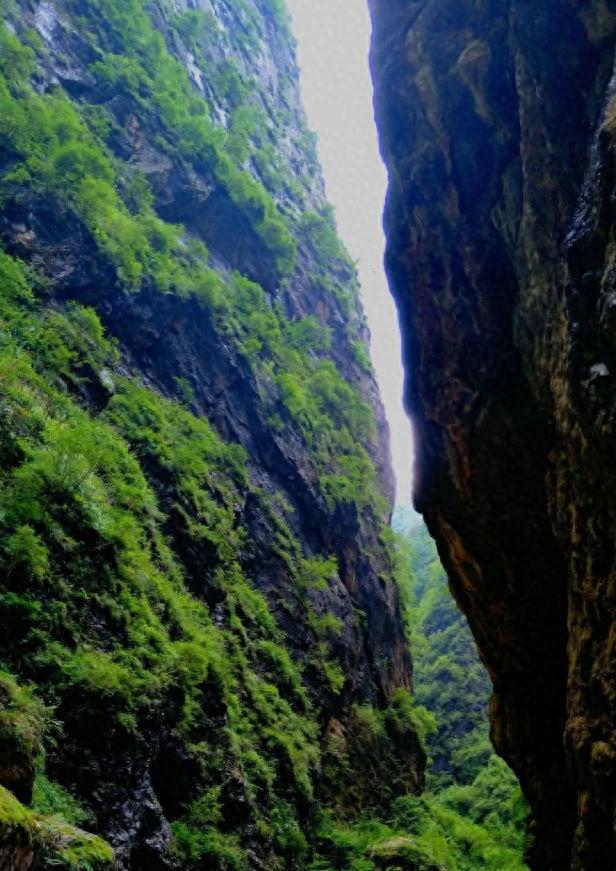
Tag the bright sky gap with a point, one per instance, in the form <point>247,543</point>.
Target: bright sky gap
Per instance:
<point>333,41</point>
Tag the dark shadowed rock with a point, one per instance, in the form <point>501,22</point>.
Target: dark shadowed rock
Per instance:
<point>496,123</point>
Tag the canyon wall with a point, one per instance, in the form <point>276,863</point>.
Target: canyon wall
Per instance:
<point>196,578</point>
<point>496,122</point>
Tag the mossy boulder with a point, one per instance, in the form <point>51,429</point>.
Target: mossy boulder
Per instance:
<point>71,849</point>
<point>402,854</point>
<point>17,834</point>
<point>30,841</point>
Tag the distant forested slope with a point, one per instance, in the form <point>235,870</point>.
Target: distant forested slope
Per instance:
<point>472,816</point>
<point>473,810</point>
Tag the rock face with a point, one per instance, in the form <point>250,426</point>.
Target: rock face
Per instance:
<point>195,586</point>
<point>497,126</point>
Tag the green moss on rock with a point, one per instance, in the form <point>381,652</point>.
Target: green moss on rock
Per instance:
<point>27,839</point>
<point>70,849</point>
<point>402,854</point>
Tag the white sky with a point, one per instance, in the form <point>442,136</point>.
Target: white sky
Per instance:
<point>333,41</point>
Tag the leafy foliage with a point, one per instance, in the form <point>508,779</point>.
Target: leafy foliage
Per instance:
<point>320,231</point>
<point>119,630</point>
<point>472,816</point>
<point>23,723</point>
<point>474,799</point>
<point>58,844</point>
<point>123,559</point>
<point>451,681</point>
<point>51,799</point>
<point>139,63</point>
<point>60,154</point>
<point>335,421</point>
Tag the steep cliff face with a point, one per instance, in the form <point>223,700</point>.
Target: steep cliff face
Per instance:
<point>196,587</point>
<point>497,125</point>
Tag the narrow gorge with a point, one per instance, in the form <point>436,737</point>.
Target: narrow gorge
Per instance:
<point>218,651</point>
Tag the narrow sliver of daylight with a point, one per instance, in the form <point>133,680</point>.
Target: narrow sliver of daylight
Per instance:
<point>333,43</point>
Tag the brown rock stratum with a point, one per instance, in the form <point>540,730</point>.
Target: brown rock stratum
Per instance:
<point>497,123</point>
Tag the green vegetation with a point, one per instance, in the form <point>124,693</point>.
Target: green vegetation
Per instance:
<point>82,528</point>
<point>449,676</point>
<point>320,231</point>
<point>128,525</point>
<point>72,486</point>
<point>192,25</point>
<point>23,720</point>
<point>51,799</point>
<point>57,844</point>
<point>278,11</point>
<point>473,805</point>
<point>60,154</point>
<point>362,357</point>
<point>139,64</point>
<point>13,813</point>
<point>74,850</point>
<point>336,423</point>
<point>472,816</point>
<point>198,837</point>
